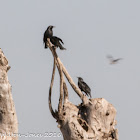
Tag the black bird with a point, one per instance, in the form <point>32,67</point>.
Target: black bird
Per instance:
<point>56,41</point>
<point>112,60</point>
<point>48,34</point>
<point>84,87</point>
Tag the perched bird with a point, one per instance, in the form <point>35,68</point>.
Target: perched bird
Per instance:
<point>48,34</point>
<point>112,60</point>
<point>56,41</point>
<point>84,87</point>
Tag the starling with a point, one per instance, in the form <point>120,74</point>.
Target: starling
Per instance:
<point>48,34</point>
<point>84,87</point>
<point>56,41</point>
<point>112,60</point>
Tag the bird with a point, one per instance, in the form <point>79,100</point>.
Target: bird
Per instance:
<point>84,87</point>
<point>112,60</point>
<point>48,34</point>
<point>56,41</point>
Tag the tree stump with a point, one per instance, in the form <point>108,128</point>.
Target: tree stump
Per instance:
<point>93,119</point>
<point>8,118</point>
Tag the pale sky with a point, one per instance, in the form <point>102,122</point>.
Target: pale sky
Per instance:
<point>90,29</point>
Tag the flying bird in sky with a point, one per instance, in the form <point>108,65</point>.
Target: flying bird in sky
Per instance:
<point>112,60</point>
<point>48,34</point>
<point>56,41</point>
<point>84,87</point>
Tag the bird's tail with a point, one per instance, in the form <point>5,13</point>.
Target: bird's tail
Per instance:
<point>90,96</point>
<point>61,47</point>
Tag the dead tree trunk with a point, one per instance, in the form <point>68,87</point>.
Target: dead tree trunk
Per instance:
<point>93,119</point>
<point>8,118</point>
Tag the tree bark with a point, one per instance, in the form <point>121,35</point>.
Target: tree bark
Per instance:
<point>8,118</point>
<point>93,119</point>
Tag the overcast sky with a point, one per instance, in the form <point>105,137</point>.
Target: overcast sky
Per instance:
<point>90,29</point>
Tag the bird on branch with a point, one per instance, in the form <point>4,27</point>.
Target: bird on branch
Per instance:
<point>112,60</point>
<point>56,41</point>
<point>48,34</point>
<point>84,87</point>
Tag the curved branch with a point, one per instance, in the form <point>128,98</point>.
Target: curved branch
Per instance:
<point>59,67</point>
<point>73,85</point>
<point>50,91</point>
<point>61,89</point>
<point>66,96</point>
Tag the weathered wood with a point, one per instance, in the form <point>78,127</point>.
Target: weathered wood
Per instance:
<point>8,118</point>
<point>93,119</point>
<point>73,85</point>
<point>50,91</point>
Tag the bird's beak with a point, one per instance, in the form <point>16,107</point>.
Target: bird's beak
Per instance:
<point>53,26</point>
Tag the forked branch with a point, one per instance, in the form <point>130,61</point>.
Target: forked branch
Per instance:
<point>60,64</point>
<point>50,91</point>
<point>93,119</point>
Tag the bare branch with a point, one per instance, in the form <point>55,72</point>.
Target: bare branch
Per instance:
<point>65,92</point>
<point>61,89</point>
<point>74,86</point>
<point>50,91</point>
<point>61,86</point>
